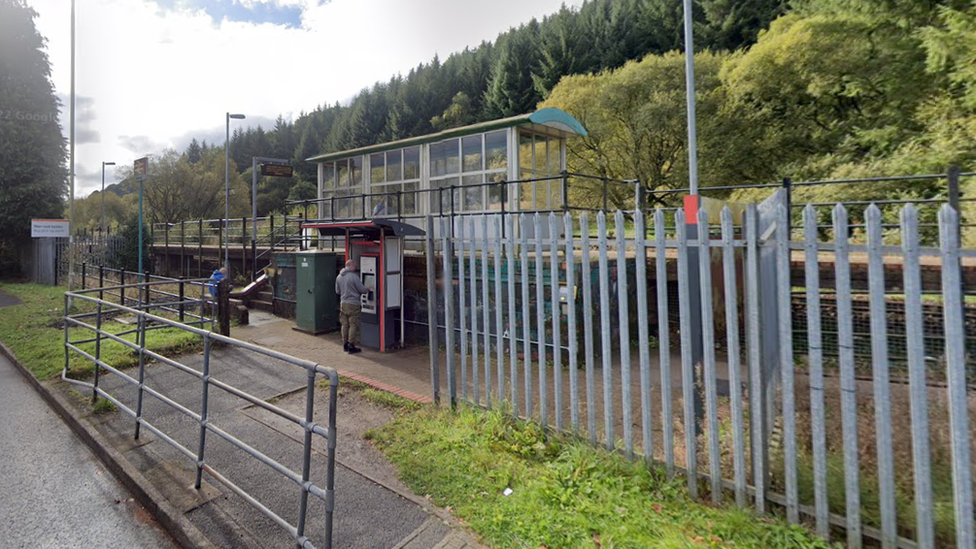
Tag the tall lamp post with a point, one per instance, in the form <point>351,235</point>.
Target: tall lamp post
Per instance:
<point>101,231</point>
<point>227,189</point>
<point>692,205</point>
<point>71,164</point>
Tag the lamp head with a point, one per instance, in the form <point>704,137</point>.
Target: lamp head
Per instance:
<point>236,116</point>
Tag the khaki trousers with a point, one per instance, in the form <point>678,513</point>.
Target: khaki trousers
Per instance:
<point>349,314</point>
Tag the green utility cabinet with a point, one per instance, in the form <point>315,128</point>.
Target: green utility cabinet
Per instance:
<point>317,307</point>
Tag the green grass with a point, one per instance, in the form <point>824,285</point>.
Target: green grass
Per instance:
<point>870,495</point>
<point>103,406</point>
<point>565,493</point>
<point>34,331</point>
<point>389,400</point>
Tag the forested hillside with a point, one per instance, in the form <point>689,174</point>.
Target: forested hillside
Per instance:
<point>507,77</point>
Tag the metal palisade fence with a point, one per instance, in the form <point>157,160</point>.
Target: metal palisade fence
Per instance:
<point>564,320</point>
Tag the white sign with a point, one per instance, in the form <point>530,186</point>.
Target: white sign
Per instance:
<point>49,228</point>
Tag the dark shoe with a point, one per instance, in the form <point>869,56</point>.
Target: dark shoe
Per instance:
<point>353,349</point>
<point>345,347</point>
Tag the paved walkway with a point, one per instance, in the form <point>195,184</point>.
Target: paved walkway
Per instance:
<point>53,491</point>
<point>373,509</point>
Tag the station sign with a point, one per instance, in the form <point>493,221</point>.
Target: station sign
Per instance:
<point>277,170</point>
<point>50,228</point>
<point>141,166</point>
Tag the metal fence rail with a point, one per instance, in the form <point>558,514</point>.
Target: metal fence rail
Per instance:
<point>100,309</point>
<point>88,247</point>
<point>185,297</point>
<point>783,424</point>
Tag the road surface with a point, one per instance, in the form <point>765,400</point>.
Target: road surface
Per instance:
<point>53,491</point>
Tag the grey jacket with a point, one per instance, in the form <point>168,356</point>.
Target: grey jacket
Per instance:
<point>349,287</point>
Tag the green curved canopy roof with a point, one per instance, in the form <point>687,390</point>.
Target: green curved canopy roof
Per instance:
<point>556,119</point>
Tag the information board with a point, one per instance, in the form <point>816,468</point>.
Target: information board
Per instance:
<point>277,170</point>
<point>49,228</point>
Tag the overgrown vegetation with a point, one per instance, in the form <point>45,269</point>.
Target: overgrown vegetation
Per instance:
<point>834,89</point>
<point>563,493</point>
<point>103,406</point>
<point>34,331</point>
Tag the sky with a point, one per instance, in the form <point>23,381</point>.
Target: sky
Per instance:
<point>152,74</point>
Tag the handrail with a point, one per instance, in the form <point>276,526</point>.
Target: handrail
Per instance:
<point>202,417</point>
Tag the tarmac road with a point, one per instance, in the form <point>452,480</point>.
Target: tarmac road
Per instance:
<point>53,491</point>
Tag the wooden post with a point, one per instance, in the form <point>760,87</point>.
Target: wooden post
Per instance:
<point>223,307</point>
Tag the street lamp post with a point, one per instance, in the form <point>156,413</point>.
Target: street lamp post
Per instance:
<point>227,188</point>
<point>101,231</point>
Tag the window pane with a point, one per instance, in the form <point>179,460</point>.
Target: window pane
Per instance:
<point>384,205</point>
<point>343,179</point>
<point>377,168</point>
<point>540,156</point>
<point>444,197</point>
<point>341,208</point>
<point>394,166</point>
<point>411,163</point>
<point>471,150</point>
<point>496,149</point>
<point>525,152</point>
<point>444,157</point>
<point>556,194</point>
<point>473,195</point>
<point>357,170</point>
<point>553,154</point>
<point>527,192</point>
<point>328,175</point>
<point>495,191</point>
<point>409,198</point>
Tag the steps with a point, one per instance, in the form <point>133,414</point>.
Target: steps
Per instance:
<point>256,295</point>
<point>263,300</point>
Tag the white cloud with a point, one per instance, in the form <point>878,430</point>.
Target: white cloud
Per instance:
<point>165,74</point>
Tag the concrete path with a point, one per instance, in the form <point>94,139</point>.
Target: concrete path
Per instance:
<point>53,491</point>
<point>373,509</point>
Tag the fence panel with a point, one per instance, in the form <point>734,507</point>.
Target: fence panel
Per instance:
<point>813,435</point>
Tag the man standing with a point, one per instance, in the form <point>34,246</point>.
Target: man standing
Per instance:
<point>350,288</point>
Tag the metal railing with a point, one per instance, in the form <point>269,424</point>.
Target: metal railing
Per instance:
<point>255,239</point>
<point>496,197</point>
<point>936,188</point>
<point>87,247</point>
<point>786,436</point>
<point>98,310</point>
<point>130,288</point>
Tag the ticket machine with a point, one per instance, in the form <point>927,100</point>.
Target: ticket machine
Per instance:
<point>377,248</point>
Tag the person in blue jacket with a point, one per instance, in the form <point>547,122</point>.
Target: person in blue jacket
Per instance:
<point>215,279</point>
